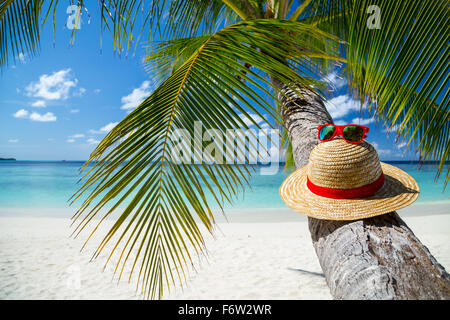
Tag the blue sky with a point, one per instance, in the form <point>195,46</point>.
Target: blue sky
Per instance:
<point>59,104</point>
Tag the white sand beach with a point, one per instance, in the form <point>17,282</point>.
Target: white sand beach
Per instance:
<point>250,258</point>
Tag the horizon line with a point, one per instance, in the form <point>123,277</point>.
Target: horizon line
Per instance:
<point>83,161</point>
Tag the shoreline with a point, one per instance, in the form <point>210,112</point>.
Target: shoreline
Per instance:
<point>232,215</point>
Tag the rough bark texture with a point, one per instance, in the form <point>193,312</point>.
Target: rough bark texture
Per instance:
<point>375,258</point>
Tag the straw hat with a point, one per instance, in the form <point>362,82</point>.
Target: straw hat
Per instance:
<point>346,181</point>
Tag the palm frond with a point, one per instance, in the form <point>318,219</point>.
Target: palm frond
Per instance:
<point>299,10</point>
<point>127,21</point>
<point>134,161</point>
<point>20,28</point>
<point>186,18</point>
<point>21,22</point>
<point>401,69</point>
<point>332,16</point>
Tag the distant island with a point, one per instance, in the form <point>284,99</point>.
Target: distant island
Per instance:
<point>10,159</point>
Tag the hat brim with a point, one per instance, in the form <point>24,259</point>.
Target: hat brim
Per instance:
<point>399,190</point>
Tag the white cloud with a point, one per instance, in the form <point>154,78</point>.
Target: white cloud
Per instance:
<point>77,136</point>
<point>74,110</point>
<point>334,81</point>
<point>21,57</point>
<point>53,87</point>
<point>362,121</point>
<point>249,122</point>
<point>402,145</point>
<point>138,95</point>
<point>340,122</point>
<point>13,140</point>
<point>47,117</point>
<point>34,116</point>
<point>80,92</point>
<point>22,113</point>
<point>70,140</point>
<point>340,106</point>
<point>108,127</point>
<point>105,129</point>
<point>97,91</point>
<point>92,141</point>
<point>381,152</point>
<point>39,104</point>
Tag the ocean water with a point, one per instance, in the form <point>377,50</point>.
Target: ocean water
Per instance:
<point>40,184</point>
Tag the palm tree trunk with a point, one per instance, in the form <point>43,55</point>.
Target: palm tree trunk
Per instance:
<point>375,258</point>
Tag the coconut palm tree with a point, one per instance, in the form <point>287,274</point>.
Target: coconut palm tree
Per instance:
<point>223,61</point>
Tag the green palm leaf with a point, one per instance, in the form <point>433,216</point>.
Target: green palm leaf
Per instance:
<point>135,156</point>
<point>402,68</point>
<point>19,28</point>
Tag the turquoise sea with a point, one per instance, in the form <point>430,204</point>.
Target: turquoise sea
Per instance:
<point>49,184</point>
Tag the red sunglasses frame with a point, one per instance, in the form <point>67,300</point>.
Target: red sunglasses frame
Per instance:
<point>339,132</point>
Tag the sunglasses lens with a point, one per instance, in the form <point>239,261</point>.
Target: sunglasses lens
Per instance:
<point>326,132</point>
<point>353,133</point>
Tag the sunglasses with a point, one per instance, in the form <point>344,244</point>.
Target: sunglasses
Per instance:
<point>352,133</point>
